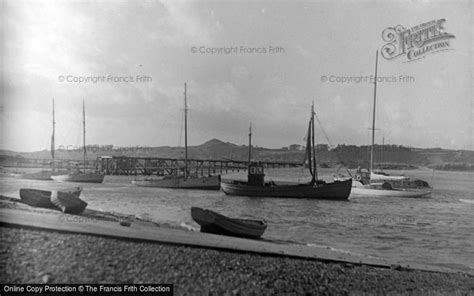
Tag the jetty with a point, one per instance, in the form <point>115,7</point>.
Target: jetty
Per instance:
<point>119,165</point>
<point>147,166</point>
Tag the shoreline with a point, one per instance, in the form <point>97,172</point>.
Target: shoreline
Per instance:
<point>32,255</point>
<point>39,256</point>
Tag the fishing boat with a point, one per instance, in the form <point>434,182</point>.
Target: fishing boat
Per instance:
<point>43,198</point>
<point>370,183</point>
<point>83,176</point>
<point>255,186</point>
<point>212,222</point>
<point>184,180</point>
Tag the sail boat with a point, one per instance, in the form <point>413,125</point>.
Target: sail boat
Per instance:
<point>84,176</point>
<point>382,184</point>
<point>185,181</point>
<point>315,189</point>
<point>45,174</point>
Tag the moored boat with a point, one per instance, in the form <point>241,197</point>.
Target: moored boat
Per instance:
<point>315,189</point>
<point>371,183</point>
<point>180,182</point>
<point>184,179</point>
<point>397,182</point>
<point>212,222</point>
<point>42,175</point>
<point>81,176</point>
<point>338,190</point>
<point>42,198</point>
<point>385,190</point>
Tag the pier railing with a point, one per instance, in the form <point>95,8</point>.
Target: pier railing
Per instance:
<point>117,165</point>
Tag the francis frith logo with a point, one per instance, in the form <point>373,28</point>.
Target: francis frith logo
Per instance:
<point>416,42</point>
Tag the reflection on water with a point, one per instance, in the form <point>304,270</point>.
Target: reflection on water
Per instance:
<point>437,230</point>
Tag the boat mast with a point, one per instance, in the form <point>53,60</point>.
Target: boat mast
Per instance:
<point>315,175</point>
<point>383,146</point>
<point>250,143</point>
<point>185,134</point>
<point>84,132</point>
<point>52,141</point>
<point>373,115</point>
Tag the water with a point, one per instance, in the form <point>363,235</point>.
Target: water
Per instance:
<point>433,231</point>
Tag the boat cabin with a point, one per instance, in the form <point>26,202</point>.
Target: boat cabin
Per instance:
<point>256,174</point>
<point>363,177</point>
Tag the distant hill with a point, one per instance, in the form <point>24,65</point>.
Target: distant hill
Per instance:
<point>392,156</point>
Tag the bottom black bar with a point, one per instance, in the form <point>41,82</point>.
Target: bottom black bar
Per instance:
<point>86,289</point>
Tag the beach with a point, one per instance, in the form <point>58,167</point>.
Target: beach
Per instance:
<point>34,255</point>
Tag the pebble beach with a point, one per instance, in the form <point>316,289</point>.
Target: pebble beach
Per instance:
<point>30,255</point>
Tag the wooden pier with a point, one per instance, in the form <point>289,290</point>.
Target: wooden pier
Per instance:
<point>119,165</point>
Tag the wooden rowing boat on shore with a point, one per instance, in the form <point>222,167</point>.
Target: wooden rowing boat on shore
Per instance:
<point>66,200</point>
<point>212,222</point>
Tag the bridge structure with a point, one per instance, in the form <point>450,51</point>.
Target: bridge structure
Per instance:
<point>120,165</point>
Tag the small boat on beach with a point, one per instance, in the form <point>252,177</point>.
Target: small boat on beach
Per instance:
<point>66,200</point>
<point>68,203</point>
<point>212,222</point>
<point>315,189</point>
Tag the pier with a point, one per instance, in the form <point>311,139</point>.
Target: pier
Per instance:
<point>119,165</point>
<point>147,166</point>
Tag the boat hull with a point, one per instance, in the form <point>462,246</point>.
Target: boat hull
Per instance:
<point>80,178</point>
<point>359,190</point>
<point>339,190</point>
<point>42,176</point>
<point>43,198</point>
<point>206,183</point>
<point>212,222</point>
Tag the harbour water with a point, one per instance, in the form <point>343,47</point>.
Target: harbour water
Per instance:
<point>434,231</point>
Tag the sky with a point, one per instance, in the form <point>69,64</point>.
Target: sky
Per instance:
<point>259,62</point>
